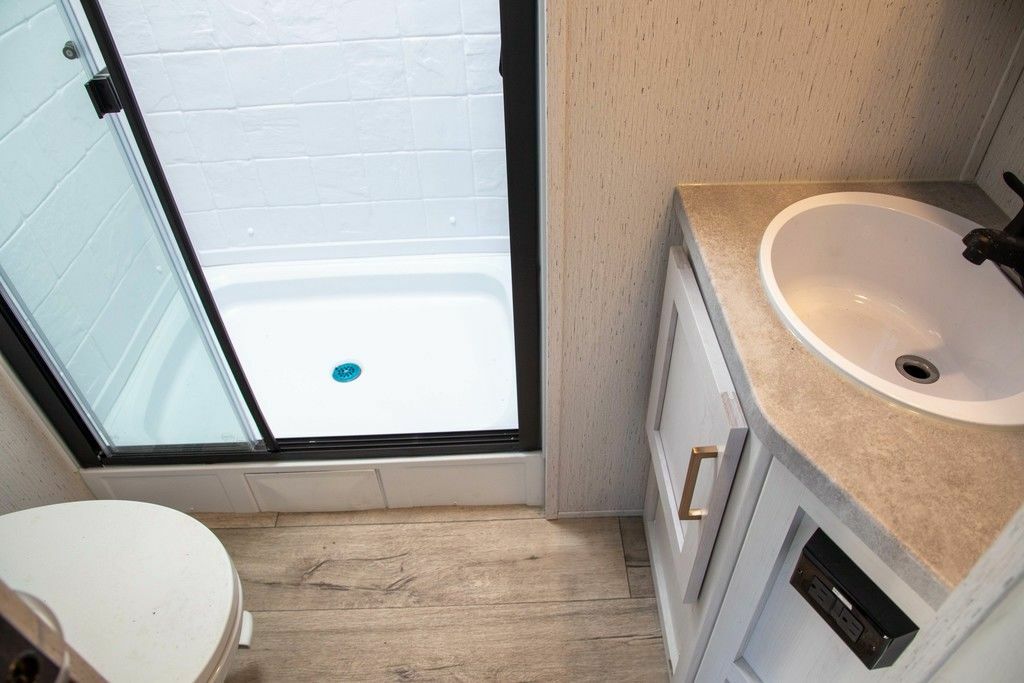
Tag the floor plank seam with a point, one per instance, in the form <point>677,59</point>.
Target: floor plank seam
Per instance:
<point>454,605</point>
<point>625,564</point>
<point>278,525</point>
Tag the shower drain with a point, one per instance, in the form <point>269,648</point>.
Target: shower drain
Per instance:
<point>346,372</point>
<point>917,369</point>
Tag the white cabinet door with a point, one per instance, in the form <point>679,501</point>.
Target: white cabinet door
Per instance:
<point>765,630</point>
<point>693,404</point>
<point>695,427</point>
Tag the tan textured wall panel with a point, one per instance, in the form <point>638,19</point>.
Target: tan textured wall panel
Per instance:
<point>665,91</point>
<point>34,469</point>
<point>1006,153</point>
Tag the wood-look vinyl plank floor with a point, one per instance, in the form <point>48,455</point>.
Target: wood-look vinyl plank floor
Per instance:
<point>596,640</point>
<point>641,582</point>
<point>452,594</point>
<point>634,542</point>
<point>638,561</point>
<point>234,520</point>
<point>416,565</point>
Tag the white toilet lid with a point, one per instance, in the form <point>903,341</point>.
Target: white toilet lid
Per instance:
<point>142,592</point>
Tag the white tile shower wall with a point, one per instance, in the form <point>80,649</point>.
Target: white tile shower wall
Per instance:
<point>322,122</point>
<point>72,237</point>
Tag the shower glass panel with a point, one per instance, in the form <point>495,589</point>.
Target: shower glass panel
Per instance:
<point>85,263</point>
<point>340,168</point>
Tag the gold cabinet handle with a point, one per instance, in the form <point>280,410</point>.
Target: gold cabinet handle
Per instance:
<point>697,453</point>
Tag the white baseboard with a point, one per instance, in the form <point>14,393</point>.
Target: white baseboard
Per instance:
<point>329,485</point>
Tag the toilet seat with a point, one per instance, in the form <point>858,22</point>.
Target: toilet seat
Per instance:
<point>142,592</point>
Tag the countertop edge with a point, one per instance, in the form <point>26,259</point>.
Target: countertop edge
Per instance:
<point>907,565</point>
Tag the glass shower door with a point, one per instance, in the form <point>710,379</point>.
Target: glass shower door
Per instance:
<point>86,261</point>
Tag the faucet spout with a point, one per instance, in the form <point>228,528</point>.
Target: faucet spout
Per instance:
<point>985,244</point>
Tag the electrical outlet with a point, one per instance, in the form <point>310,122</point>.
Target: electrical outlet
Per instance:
<point>849,624</point>
<point>820,593</point>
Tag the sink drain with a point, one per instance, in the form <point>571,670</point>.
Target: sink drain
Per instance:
<point>917,369</point>
<point>346,372</point>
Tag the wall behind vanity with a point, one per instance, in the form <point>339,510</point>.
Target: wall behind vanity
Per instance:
<point>644,95</point>
<point>1005,153</point>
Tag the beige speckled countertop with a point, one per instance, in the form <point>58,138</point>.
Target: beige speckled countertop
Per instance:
<point>928,495</point>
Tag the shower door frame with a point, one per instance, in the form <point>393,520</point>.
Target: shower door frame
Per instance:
<point>519,65</point>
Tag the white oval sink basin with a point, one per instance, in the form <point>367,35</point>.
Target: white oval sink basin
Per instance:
<point>864,279</point>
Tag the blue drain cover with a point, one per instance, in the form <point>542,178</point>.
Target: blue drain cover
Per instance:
<point>346,372</point>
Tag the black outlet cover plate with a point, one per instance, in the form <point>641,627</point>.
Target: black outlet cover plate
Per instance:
<point>874,628</point>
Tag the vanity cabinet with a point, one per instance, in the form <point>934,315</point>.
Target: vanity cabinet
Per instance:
<point>896,503</point>
<point>726,524</point>
<point>706,471</point>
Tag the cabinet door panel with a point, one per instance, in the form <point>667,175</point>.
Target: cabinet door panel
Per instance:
<point>663,572</point>
<point>693,405</point>
<point>765,630</point>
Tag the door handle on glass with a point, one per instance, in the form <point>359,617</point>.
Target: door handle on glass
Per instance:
<point>697,453</point>
<point>102,93</point>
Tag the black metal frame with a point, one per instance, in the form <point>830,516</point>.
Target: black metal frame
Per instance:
<point>335,448</point>
<point>519,65</point>
<point>520,77</point>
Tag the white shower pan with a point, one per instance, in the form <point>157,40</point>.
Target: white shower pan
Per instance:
<point>433,336</point>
